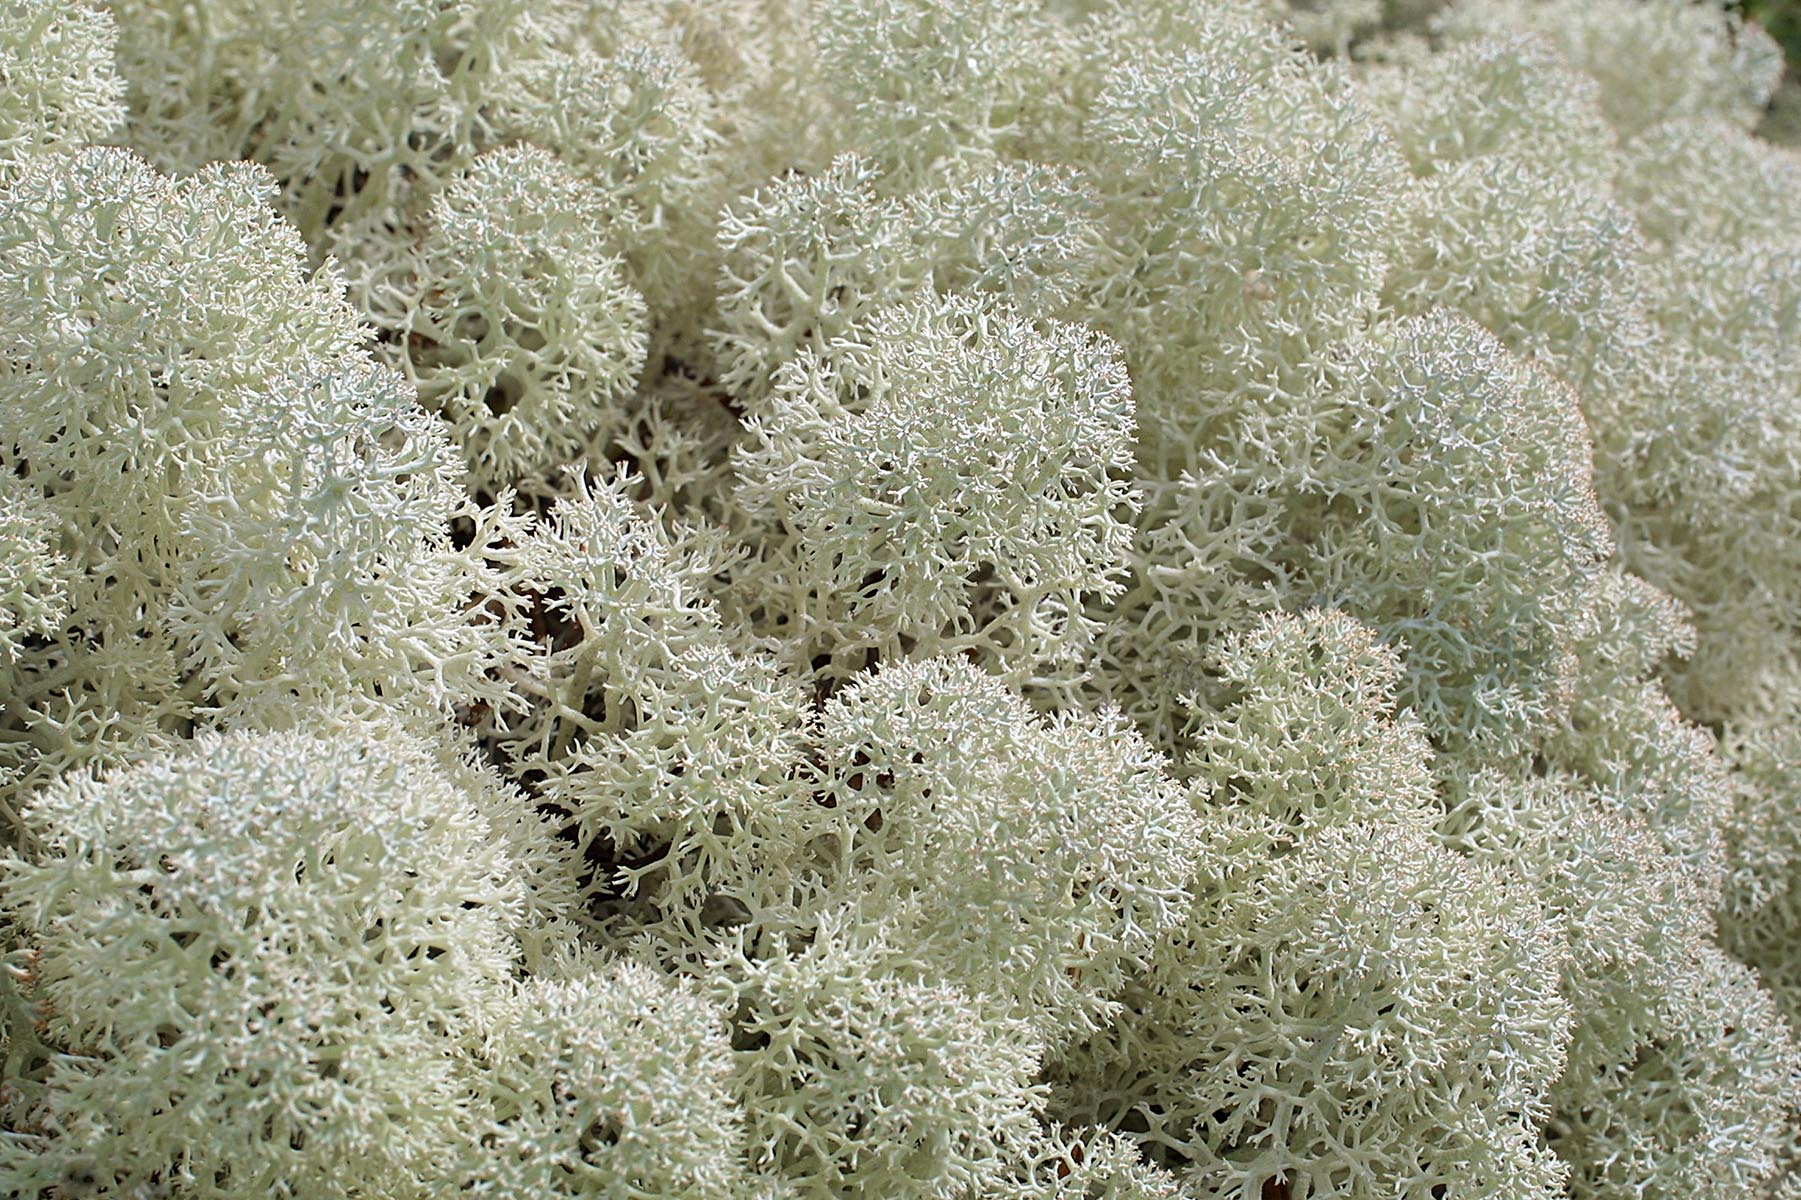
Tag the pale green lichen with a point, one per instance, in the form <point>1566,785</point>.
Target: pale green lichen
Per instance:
<point>1084,600</point>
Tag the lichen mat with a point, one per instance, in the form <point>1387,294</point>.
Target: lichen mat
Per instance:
<point>898,600</point>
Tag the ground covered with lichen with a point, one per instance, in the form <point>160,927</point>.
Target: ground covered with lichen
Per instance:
<point>898,599</point>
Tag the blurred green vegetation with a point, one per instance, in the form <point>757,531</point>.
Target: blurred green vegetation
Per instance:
<point>1783,19</point>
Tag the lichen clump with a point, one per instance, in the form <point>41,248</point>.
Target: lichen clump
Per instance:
<point>898,599</point>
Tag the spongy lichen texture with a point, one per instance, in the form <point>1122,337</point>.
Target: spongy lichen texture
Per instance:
<point>898,599</point>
